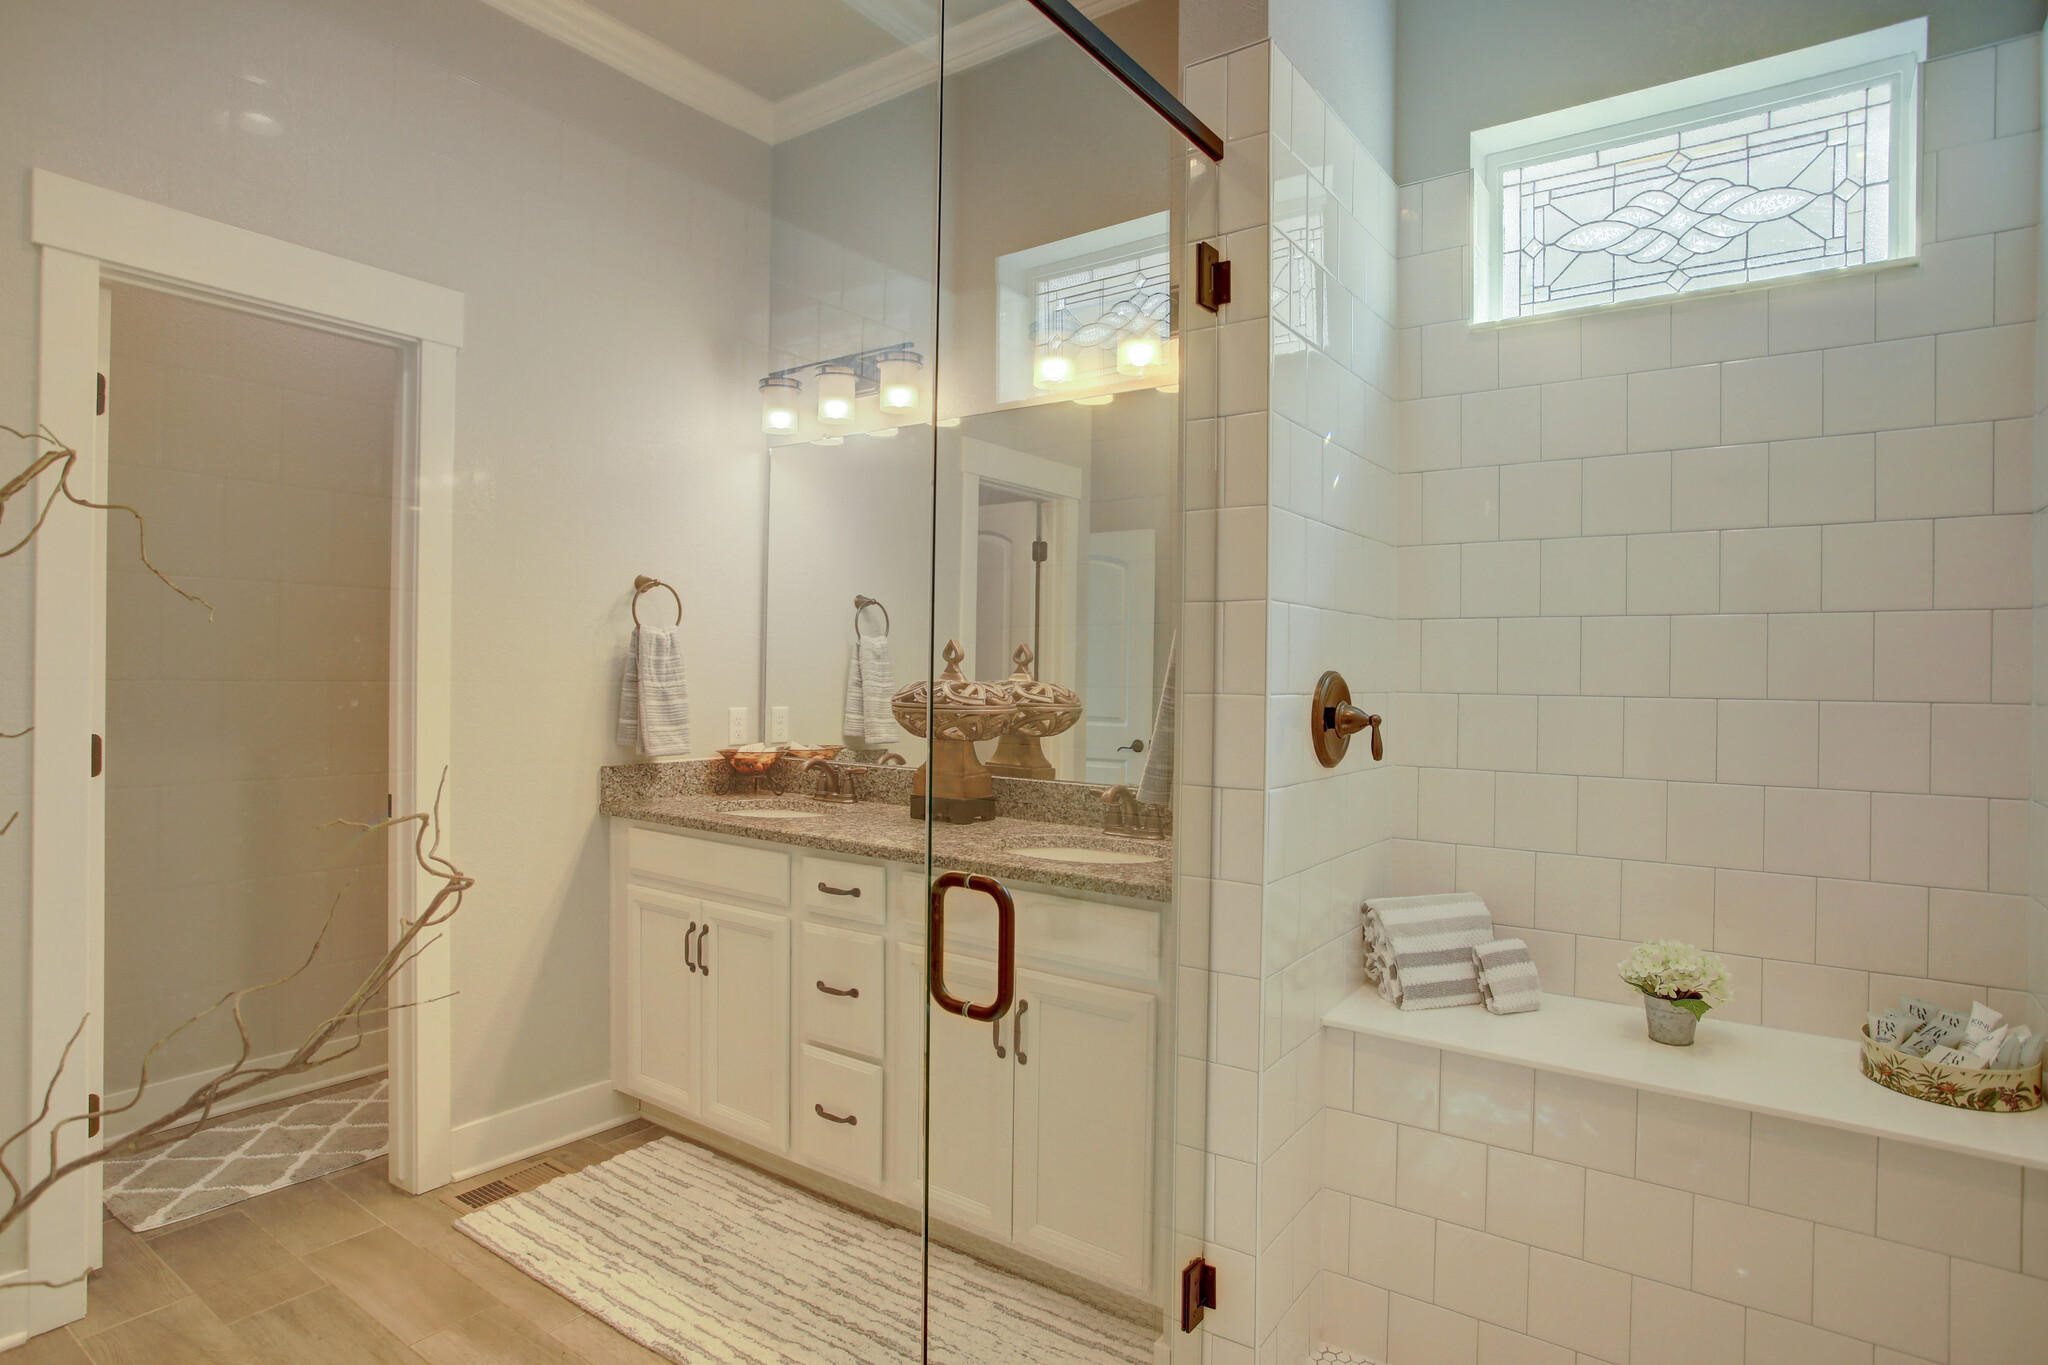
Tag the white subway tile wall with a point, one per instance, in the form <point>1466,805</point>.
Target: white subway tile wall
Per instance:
<point>1746,581</point>
<point>1653,1229</point>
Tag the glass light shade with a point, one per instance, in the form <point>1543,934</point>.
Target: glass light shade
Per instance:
<point>900,373</point>
<point>779,395</point>
<point>836,402</point>
<point>1054,367</point>
<point>1097,400</point>
<point>1138,354</point>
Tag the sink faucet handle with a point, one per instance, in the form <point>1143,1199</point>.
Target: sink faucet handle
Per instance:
<point>1119,808</point>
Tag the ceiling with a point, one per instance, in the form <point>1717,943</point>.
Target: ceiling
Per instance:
<point>776,69</point>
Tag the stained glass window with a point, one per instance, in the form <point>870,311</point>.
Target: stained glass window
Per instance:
<point>1811,176</point>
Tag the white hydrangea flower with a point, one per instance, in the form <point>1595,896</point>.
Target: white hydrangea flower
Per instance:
<point>1677,971</point>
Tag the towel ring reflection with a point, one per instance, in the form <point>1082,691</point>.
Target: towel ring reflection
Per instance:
<point>643,583</point>
<point>860,604</point>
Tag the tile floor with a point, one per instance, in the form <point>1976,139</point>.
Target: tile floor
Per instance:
<point>344,1270</point>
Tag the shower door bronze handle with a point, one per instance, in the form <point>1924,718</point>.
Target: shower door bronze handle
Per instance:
<point>1006,946</point>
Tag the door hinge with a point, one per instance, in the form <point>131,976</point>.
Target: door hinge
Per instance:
<point>100,406</point>
<point>99,755</point>
<point>1197,1292</point>
<point>92,1119</point>
<point>1039,551</point>
<point>1212,277</point>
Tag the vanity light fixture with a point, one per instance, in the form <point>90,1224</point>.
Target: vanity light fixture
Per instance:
<point>837,388</point>
<point>779,395</point>
<point>1096,400</point>
<point>829,441</point>
<point>949,421</point>
<point>896,376</point>
<point>1055,367</point>
<point>884,433</point>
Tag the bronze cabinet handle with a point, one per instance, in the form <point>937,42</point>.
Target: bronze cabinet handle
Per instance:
<point>704,949</point>
<point>851,992</point>
<point>688,934</point>
<point>1006,946</point>
<point>995,1027</point>
<point>1017,1033</point>
<point>852,891</point>
<point>849,1120</point>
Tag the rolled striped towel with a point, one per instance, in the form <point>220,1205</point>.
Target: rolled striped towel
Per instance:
<point>1418,949</point>
<point>1507,976</point>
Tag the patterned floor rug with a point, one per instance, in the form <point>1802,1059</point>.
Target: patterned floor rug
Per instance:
<point>708,1262</point>
<point>244,1155</point>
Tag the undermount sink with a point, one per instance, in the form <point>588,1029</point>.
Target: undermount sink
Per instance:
<point>1097,850</point>
<point>1085,855</point>
<point>775,808</point>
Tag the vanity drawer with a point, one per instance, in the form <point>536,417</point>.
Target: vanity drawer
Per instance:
<point>846,889</point>
<point>757,873</point>
<point>849,1143</point>
<point>834,959</point>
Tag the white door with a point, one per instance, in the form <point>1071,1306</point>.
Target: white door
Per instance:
<point>971,1140</point>
<point>1118,692</point>
<point>1084,1075</point>
<point>663,1008</point>
<point>1005,586</point>
<point>743,971</point>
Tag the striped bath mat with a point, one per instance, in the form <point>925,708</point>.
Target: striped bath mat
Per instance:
<point>701,1260</point>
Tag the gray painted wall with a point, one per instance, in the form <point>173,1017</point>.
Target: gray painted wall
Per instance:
<point>1342,47</point>
<point>1466,64</point>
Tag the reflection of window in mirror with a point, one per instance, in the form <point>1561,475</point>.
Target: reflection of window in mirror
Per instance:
<point>1087,314</point>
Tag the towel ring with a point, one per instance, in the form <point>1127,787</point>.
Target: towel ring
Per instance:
<point>642,584</point>
<point>860,604</point>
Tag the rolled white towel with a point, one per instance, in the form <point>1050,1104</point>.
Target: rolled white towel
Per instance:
<point>1507,976</point>
<point>1418,949</point>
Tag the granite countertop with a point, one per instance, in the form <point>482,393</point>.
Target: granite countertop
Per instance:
<point>879,825</point>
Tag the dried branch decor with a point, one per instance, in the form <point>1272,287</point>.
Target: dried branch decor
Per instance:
<point>336,1037</point>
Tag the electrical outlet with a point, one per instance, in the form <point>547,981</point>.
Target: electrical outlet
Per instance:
<point>736,725</point>
<point>778,724</point>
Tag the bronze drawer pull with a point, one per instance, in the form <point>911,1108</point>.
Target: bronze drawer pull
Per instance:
<point>851,992</point>
<point>852,891</point>
<point>821,1112</point>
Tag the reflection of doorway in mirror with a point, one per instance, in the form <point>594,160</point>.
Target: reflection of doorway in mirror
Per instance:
<point>1119,654</point>
<point>1005,586</point>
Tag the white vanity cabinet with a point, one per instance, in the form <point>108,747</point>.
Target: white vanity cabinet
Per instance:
<point>1041,1122</point>
<point>778,995</point>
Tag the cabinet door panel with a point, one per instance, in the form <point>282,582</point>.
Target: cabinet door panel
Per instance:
<point>745,981</point>
<point>1085,1074</point>
<point>971,1097</point>
<point>662,1032</point>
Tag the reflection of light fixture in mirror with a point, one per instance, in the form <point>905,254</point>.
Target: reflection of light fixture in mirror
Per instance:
<point>779,394</point>
<point>1097,400</point>
<point>1055,367</point>
<point>898,373</point>
<point>836,384</point>
<point>829,441</point>
<point>883,433</point>
<point>949,421</point>
<point>1137,353</point>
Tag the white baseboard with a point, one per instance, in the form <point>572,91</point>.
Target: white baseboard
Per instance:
<point>518,1133</point>
<point>168,1093</point>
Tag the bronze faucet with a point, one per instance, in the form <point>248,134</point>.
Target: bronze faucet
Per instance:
<point>1123,814</point>
<point>838,783</point>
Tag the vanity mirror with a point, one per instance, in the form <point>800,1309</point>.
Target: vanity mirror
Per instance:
<point>1057,539</point>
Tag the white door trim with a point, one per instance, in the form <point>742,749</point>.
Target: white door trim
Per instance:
<point>89,235</point>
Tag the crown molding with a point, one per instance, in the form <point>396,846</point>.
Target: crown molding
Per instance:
<point>632,53</point>
<point>629,51</point>
<point>981,39</point>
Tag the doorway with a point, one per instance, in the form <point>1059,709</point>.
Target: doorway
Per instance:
<point>266,454</point>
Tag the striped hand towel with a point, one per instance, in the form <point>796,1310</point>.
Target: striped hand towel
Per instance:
<point>1507,976</point>
<point>1418,949</point>
<point>654,697</point>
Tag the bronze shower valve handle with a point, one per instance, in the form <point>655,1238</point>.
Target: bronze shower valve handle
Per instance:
<point>1333,720</point>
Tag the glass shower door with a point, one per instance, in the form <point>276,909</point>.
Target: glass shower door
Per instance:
<point>1053,1003</point>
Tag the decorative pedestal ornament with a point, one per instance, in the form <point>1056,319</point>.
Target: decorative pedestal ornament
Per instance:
<point>953,783</point>
<point>1043,710</point>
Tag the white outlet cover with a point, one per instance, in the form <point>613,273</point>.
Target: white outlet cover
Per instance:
<point>778,723</point>
<point>736,725</point>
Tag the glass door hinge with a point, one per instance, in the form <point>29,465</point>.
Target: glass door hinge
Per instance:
<point>1197,1292</point>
